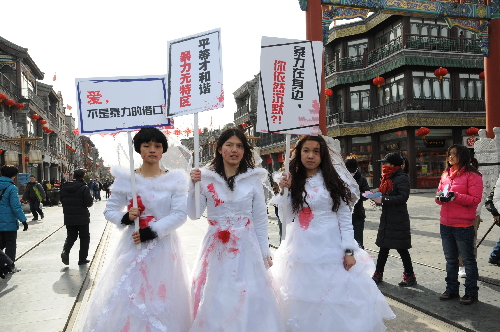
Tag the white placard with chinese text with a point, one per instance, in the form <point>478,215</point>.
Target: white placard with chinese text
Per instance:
<point>108,105</point>
<point>289,86</point>
<point>195,74</point>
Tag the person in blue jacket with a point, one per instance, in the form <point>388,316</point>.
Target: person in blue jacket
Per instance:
<point>10,213</point>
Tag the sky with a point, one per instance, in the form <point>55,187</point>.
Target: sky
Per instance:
<point>109,38</point>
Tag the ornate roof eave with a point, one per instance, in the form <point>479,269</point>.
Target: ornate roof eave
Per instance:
<point>403,58</point>
<point>22,53</point>
<point>356,28</point>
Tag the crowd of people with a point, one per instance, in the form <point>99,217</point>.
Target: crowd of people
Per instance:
<point>321,278</point>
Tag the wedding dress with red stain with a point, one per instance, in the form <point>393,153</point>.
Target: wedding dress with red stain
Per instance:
<point>231,289</point>
<point>318,293</point>
<point>144,289</point>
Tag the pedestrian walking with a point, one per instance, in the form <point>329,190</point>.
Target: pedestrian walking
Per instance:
<point>321,272</point>
<point>491,204</point>
<point>96,187</point>
<point>106,186</point>
<point>358,213</point>
<point>394,229</point>
<point>231,289</point>
<point>459,193</point>
<point>34,194</point>
<point>46,187</point>
<point>11,214</point>
<point>75,200</point>
<point>147,289</point>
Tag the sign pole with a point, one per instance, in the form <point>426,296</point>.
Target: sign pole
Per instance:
<point>197,165</point>
<point>285,191</point>
<point>132,181</point>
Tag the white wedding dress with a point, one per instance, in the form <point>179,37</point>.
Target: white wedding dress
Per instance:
<point>318,293</point>
<point>231,289</point>
<point>146,289</point>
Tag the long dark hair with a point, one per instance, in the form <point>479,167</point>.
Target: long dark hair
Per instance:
<point>334,184</point>
<point>464,158</point>
<point>246,162</point>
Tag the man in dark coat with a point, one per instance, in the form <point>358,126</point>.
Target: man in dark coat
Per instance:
<point>75,200</point>
<point>34,194</point>
<point>358,214</point>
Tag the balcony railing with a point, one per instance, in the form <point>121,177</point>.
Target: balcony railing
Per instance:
<point>241,111</point>
<point>435,105</point>
<point>415,42</point>
<point>9,86</point>
<point>37,100</point>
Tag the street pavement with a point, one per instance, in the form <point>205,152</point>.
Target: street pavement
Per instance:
<point>48,296</point>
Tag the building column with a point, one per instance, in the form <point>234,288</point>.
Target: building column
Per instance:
<point>492,77</point>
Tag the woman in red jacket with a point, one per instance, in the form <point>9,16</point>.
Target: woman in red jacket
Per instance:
<point>459,194</point>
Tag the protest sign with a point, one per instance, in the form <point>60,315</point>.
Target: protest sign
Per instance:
<point>109,105</point>
<point>289,89</point>
<point>195,74</point>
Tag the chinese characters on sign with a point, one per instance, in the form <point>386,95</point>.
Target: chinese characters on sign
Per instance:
<point>290,74</point>
<point>185,81</point>
<point>195,74</point>
<point>278,91</point>
<point>110,105</point>
<point>204,55</point>
<point>299,53</point>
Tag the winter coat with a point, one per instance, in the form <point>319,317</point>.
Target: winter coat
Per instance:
<point>359,210</point>
<point>75,200</point>
<point>10,206</point>
<point>394,229</point>
<point>468,191</point>
<point>29,193</point>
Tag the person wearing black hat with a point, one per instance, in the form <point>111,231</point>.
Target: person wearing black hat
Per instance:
<point>75,200</point>
<point>358,214</point>
<point>394,228</point>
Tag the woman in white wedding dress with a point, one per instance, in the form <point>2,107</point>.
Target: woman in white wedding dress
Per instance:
<point>144,289</point>
<point>231,288</point>
<point>324,277</point>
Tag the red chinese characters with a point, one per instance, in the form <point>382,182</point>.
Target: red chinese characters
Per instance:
<point>185,81</point>
<point>278,102</point>
<point>94,97</point>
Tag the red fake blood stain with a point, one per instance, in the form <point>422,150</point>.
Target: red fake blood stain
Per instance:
<point>316,190</point>
<point>144,221</point>
<point>305,217</point>
<point>248,223</point>
<point>234,250</point>
<point>212,222</point>
<point>224,235</point>
<point>162,292</point>
<point>140,205</point>
<point>126,328</point>
<point>199,285</point>
<point>215,196</point>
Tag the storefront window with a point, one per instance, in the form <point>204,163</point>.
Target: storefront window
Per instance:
<point>392,90</point>
<point>360,97</point>
<point>430,159</point>
<point>471,87</point>
<point>428,86</point>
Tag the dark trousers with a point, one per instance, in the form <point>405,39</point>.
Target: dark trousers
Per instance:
<point>35,208</point>
<point>405,257</point>
<point>459,241</point>
<point>358,224</point>
<point>97,194</point>
<point>8,242</point>
<point>73,231</point>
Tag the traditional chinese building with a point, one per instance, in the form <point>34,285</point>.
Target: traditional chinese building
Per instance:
<point>34,109</point>
<point>370,119</point>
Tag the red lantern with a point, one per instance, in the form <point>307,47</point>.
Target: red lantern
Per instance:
<point>423,131</point>
<point>9,102</point>
<point>42,122</point>
<point>19,106</point>
<point>440,72</point>
<point>378,81</point>
<point>188,131</point>
<point>481,75</point>
<point>177,132</point>
<point>26,159</point>
<point>2,97</point>
<point>1,151</point>
<point>472,131</point>
<point>48,130</point>
<point>35,116</point>
<point>328,92</point>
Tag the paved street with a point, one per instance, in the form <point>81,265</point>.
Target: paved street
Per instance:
<point>47,296</point>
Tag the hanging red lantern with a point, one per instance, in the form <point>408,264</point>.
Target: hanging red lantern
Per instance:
<point>472,131</point>
<point>177,132</point>
<point>188,131</point>
<point>35,116</point>
<point>9,102</point>
<point>1,151</point>
<point>26,159</point>
<point>2,97</point>
<point>378,81</point>
<point>48,130</point>
<point>481,75</point>
<point>19,106</point>
<point>328,92</point>
<point>440,72</point>
<point>42,122</point>
<point>423,131</point>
